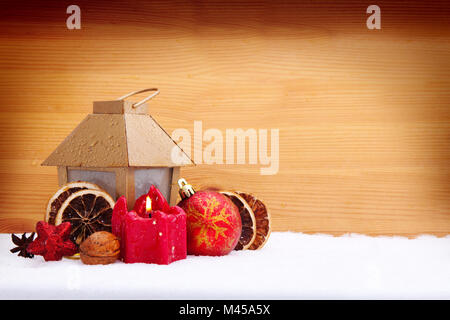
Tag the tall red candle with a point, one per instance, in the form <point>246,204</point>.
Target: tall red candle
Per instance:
<point>159,239</point>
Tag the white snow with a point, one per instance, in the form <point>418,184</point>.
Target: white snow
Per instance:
<point>290,266</point>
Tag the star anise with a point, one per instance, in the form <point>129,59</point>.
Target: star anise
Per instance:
<point>22,245</point>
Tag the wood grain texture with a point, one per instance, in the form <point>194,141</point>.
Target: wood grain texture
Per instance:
<point>363,115</point>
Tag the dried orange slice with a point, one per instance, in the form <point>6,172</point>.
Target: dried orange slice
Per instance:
<point>88,211</point>
<point>248,233</point>
<point>62,194</point>
<point>263,220</point>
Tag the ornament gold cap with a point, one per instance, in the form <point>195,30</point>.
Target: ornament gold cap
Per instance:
<point>186,189</point>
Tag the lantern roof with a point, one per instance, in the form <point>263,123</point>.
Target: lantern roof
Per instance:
<point>118,135</point>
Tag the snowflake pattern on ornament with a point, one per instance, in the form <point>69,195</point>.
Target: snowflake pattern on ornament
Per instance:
<point>211,219</point>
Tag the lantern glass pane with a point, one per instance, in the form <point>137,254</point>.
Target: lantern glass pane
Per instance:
<point>105,179</point>
<point>159,177</point>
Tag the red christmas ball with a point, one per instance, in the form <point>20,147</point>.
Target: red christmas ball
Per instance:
<point>213,223</point>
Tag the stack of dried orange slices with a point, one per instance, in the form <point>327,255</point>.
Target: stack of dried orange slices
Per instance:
<point>85,205</point>
<point>255,217</point>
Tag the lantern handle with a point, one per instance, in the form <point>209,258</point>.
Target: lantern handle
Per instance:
<point>137,104</point>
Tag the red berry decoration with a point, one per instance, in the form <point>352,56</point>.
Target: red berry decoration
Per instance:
<point>213,221</point>
<point>52,242</point>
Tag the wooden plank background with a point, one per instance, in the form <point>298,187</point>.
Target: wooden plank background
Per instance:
<point>363,114</point>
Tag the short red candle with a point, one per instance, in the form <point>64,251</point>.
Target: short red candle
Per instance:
<point>159,239</point>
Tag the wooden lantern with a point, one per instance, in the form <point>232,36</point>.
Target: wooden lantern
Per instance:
<point>122,149</point>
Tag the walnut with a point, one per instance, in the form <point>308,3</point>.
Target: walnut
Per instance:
<point>100,248</point>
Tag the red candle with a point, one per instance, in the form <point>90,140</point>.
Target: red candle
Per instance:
<point>153,232</point>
